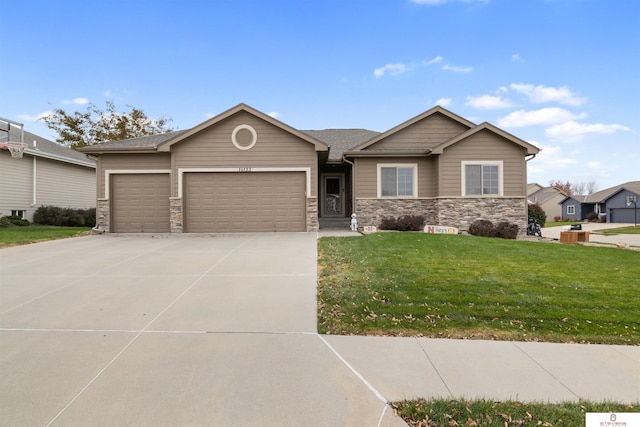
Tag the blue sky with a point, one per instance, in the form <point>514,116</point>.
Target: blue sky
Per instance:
<point>561,74</point>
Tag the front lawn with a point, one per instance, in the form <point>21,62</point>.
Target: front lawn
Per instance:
<point>10,236</point>
<point>416,284</point>
<point>619,230</point>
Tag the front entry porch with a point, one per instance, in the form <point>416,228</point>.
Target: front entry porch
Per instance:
<point>335,201</point>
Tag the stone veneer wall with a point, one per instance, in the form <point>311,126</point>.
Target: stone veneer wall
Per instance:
<point>372,211</point>
<point>175,215</point>
<point>462,212</point>
<point>457,212</point>
<point>312,214</point>
<point>102,214</point>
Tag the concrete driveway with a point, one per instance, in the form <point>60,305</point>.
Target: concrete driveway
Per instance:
<point>172,331</point>
<point>629,239</point>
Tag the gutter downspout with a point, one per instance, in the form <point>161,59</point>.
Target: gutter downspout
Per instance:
<point>353,183</point>
<point>35,181</point>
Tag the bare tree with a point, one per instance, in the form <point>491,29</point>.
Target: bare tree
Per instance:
<point>575,188</point>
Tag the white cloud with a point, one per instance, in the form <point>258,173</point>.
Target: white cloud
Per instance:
<point>434,60</point>
<point>540,94</point>
<point>544,116</point>
<point>273,114</point>
<point>593,165</point>
<point>487,102</point>
<point>107,94</point>
<point>516,57</point>
<point>574,131</point>
<point>550,157</point>
<point>457,68</point>
<point>76,101</point>
<point>29,118</point>
<point>392,69</point>
<point>444,102</point>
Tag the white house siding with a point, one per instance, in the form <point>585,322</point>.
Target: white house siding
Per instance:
<point>57,184</point>
<point>65,185</point>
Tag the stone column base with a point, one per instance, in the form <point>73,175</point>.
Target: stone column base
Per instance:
<point>175,214</point>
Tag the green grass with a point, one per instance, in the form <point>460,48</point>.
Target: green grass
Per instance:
<point>11,236</point>
<point>619,230</point>
<point>416,284</point>
<point>445,412</point>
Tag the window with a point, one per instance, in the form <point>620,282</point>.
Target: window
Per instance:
<point>482,178</point>
<point>571,210</point>
<point>397,180</point>
<point>18,213</point>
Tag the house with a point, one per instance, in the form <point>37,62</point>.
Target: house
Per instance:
<point>548,198</point>
<point>610,204</point>
<point>48,174</point>
<point>246,171</point>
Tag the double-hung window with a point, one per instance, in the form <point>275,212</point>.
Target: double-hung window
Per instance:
<point>482,178</point>
<point>571,209</point>
<point>397,180</point>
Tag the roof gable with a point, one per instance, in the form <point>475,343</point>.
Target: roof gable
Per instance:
<point>166,146</point>
<point>433,111</point>
<point>531,149</point>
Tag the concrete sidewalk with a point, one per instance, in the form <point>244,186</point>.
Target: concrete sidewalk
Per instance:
<point>221,330</point>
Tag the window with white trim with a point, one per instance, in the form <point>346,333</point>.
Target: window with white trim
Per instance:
<point>482,178</point>
<point>571,209</point>
<point>398,181</point>
<point>19,213</point>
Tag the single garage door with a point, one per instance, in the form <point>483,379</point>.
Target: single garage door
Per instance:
<point>221,202</point>
<point>140,203</point>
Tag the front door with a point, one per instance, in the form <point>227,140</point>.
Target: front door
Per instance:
<point>332,196</point>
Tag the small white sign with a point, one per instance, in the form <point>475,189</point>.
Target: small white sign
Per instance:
<point>440,229</point>
<point>609,419</point>
<point>370,229</point>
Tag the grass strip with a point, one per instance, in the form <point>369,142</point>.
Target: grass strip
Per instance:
<point>416,284</point>
<point>12,236</point>
<point>483,412</point>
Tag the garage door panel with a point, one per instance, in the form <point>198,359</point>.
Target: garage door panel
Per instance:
<point>140,203</point>
<point>244,202</point>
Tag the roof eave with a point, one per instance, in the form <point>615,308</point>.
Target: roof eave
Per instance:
<point>51,156</point>
<point>404,153</point>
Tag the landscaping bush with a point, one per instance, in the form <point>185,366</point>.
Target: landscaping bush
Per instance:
<point>482,227</point>
<point>536,212</point>
<point>507,230</point>
<point>403,223</point>
<point>593,217</point>
<point>13,221</point>
<point>65,217</point>
<point>485,228</point>
<point>557,218</point>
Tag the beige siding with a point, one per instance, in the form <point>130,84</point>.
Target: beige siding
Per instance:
<point>366,175</point>
<point>65,185</point>
<point>16,184</point>
<point>483,146</point>
<point>130,162</point>
<point>427,133</point>
<point>212,148</point>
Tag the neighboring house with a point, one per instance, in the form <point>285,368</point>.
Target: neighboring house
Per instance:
<point>610,204</point>
<point>48,174</point>
<point>549,199</point>
<point>246,171</point>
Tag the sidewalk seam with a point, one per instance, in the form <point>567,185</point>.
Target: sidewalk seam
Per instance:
<point>435,368</point>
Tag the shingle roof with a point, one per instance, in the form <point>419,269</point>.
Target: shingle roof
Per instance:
<point>341,140</point>
<point>142,142</point>
<point>42,147</point>
<point>602,195</point>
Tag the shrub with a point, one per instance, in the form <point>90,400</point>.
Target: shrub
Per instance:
<point>536,212</point>
<point>507,230</point>
<point>65,217</point>
<point>592,216</point>
<point>482,227</point>
<point>485,228</point>
<point>16,220</point>
<point>5,222</point>
<point>403,223</point>
<point>557,218</point>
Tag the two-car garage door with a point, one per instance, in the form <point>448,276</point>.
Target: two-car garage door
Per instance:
<point>213,202</point>
<point>216,202</point>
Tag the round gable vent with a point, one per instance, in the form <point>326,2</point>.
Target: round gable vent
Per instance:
<point>244,137</point>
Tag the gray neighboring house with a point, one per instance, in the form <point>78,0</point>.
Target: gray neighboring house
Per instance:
<point>549,199</point>
<point>610,204</point>
<point>244,171</point>
<point>48,174</point>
